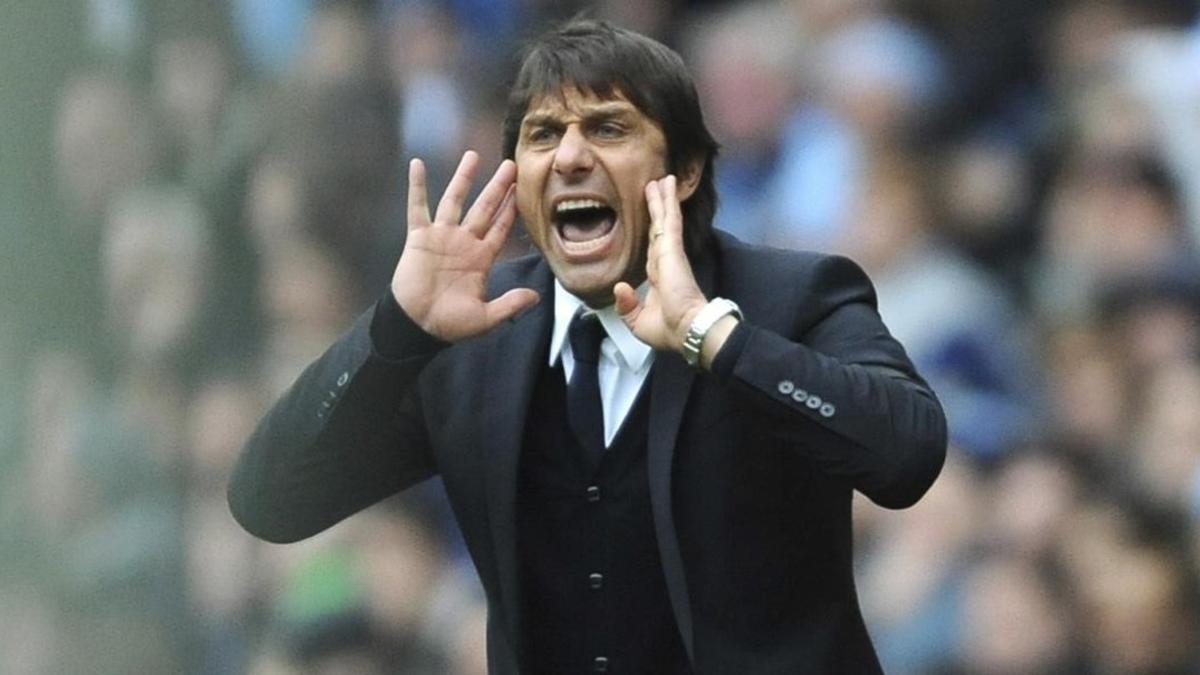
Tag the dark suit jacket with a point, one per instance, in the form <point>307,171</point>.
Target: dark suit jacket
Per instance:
<point>751,471</point>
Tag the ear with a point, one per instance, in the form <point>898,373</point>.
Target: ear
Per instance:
<point>688,177</point>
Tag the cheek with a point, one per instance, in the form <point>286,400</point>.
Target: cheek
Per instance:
<point>634,188</point>
<point>527,207</point>
<point>529,192</point>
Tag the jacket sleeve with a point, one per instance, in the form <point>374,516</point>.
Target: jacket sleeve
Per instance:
<point>839,388</point>
<point>348,433</point>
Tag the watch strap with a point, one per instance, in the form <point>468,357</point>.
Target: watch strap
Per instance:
<point>705,319</point>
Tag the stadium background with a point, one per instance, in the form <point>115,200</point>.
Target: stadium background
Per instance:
<point>196,197</point>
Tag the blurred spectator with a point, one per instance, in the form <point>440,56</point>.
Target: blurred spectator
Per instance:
<point>912,576</point>
<point>1137,603</point>
<point>1016,621</point>
<point>1107,216</point>
<point>307,301</point>
<point>964,333</point>
<point>1164,457</point>
<point>748,62</point>
<point>335,130</point>
<point>105,141</point>
<point>222,586</point>
<point>156,264</point>
<point>992,64</point>
<point>985,203</point>
<point>192,82</point>
<point>108,525</point>
<point>882,75</point>
<point>424,56</point>
<point>1086,391</point>
<point>1161,66</point>
<point>1031,501</point>
<point>399,561</point>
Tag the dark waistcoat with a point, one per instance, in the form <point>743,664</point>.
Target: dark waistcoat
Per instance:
<point>593,594</point>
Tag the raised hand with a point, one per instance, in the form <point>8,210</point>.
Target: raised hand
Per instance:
<point>442,274</point>
<point>662,318</point>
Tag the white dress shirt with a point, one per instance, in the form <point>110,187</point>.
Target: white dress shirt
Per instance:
<point>624,360</point>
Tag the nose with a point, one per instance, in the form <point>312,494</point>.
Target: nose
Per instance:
<point>573,156</point>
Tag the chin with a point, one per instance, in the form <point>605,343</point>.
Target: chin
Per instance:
<point>596,290</point>
<point>595,295</point>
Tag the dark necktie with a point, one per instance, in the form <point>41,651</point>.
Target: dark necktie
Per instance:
<point>584,410</point>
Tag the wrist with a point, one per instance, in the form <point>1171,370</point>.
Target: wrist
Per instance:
<point>700,329</point>
<point>394,334</point>
<point>414,306</point>
<point>716,338</point>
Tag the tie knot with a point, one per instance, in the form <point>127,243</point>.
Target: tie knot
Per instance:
<point>586,333</point>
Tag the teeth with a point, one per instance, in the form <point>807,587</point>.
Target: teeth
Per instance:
<point>575,204</point>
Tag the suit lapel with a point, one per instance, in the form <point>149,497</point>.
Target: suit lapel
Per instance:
<point>514,362</point>
<point>670,386</point>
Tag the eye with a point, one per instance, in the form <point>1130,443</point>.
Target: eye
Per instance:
<point>541,135</point>
<point>609,130</point>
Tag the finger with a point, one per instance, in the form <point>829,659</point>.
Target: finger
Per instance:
<point>628,305</point>
<point>654,206</point>
<point>502,221</point>
<point>450,207</point>
<point>418,201</point>
<point>672,213</point>
<point>667,231</point>
<point>510,305</point>
<point>652,264</point>
<point>482,214</point>
<point>652,261</point>
<point>638,314</point>
<point>668,255</point>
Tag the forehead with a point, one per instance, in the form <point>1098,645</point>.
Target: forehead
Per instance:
<point>571,101</point>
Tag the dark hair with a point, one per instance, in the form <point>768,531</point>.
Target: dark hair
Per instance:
<point>601,59</point>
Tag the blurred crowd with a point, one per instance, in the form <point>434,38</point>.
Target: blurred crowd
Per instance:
<point>1020,178</point>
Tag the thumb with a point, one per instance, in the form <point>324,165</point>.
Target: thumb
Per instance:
<point>510,305</point>
<point>628,305</point>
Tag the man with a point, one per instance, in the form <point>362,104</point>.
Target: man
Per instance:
<point>675,500</point>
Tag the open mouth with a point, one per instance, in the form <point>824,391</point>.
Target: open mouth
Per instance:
<point>580,221</point>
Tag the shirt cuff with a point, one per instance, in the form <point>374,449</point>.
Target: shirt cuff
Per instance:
<point>735,344</point>
<point>395,336</point>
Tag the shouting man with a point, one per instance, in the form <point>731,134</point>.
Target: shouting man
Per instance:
<point>650,433</point>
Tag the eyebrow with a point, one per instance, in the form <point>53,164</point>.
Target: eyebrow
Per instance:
<point>603,110</point>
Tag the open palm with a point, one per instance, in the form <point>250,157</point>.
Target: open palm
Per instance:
<point>441,278</point>
<point>662,318</point>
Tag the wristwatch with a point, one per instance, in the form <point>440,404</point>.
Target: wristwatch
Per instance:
<point>714,311</point>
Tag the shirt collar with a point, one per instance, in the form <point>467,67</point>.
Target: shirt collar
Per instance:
<point>634,354</point>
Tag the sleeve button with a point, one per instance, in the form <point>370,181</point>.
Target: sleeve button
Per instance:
<point>786,387</point>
